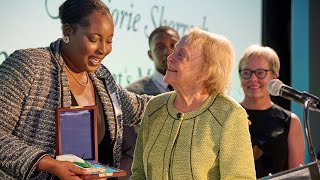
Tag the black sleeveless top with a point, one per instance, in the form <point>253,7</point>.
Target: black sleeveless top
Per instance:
<point>269,136</point>
<point>105,147</point>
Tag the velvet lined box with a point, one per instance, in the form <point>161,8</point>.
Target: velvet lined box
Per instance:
<point>76,133</point>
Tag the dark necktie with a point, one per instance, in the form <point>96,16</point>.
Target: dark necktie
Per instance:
<point>170,87</point>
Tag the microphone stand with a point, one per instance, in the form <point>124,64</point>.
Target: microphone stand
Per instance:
<point>313,167</point>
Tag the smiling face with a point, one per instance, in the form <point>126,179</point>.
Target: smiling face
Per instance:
<point>185,66</point>
<point>161,45</point>
<point>89,44</point>
<point>255,88</point>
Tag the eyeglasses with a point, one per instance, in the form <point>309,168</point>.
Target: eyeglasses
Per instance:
<point>260,73</point>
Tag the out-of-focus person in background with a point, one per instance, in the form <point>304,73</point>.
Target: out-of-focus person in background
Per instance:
<point>161,44</point>
<point>34,82</point>
<point>196,131</point>
<point>276,133</point>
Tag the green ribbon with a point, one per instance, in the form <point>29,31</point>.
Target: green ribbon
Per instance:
<point>86,164</point>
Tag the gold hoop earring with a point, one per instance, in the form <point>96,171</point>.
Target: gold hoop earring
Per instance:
<point>66,39</point>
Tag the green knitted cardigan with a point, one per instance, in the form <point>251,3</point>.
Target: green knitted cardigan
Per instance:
<point>211,142</point>
<point>33,83</point>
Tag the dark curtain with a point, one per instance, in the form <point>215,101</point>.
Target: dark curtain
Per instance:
<point>276,33</point>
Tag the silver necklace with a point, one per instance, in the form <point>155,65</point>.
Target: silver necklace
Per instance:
<point>76,78</point>
<point>69,69</point>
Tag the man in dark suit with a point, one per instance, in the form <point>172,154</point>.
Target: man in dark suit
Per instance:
<point>161,44</point>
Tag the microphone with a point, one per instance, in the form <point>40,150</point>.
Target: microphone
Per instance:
<point>277,88</point>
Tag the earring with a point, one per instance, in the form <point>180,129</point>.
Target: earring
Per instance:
<point>65,39</point>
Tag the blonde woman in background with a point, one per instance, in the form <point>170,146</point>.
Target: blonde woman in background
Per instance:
<point>276,133</point>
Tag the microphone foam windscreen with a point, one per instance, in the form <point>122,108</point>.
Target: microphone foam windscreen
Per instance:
<point>274,87</point>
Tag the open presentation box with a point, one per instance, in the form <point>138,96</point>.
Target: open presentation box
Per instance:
<point>76,133</point>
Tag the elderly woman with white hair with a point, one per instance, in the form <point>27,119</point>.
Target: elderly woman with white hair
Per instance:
<point>196,131</point>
